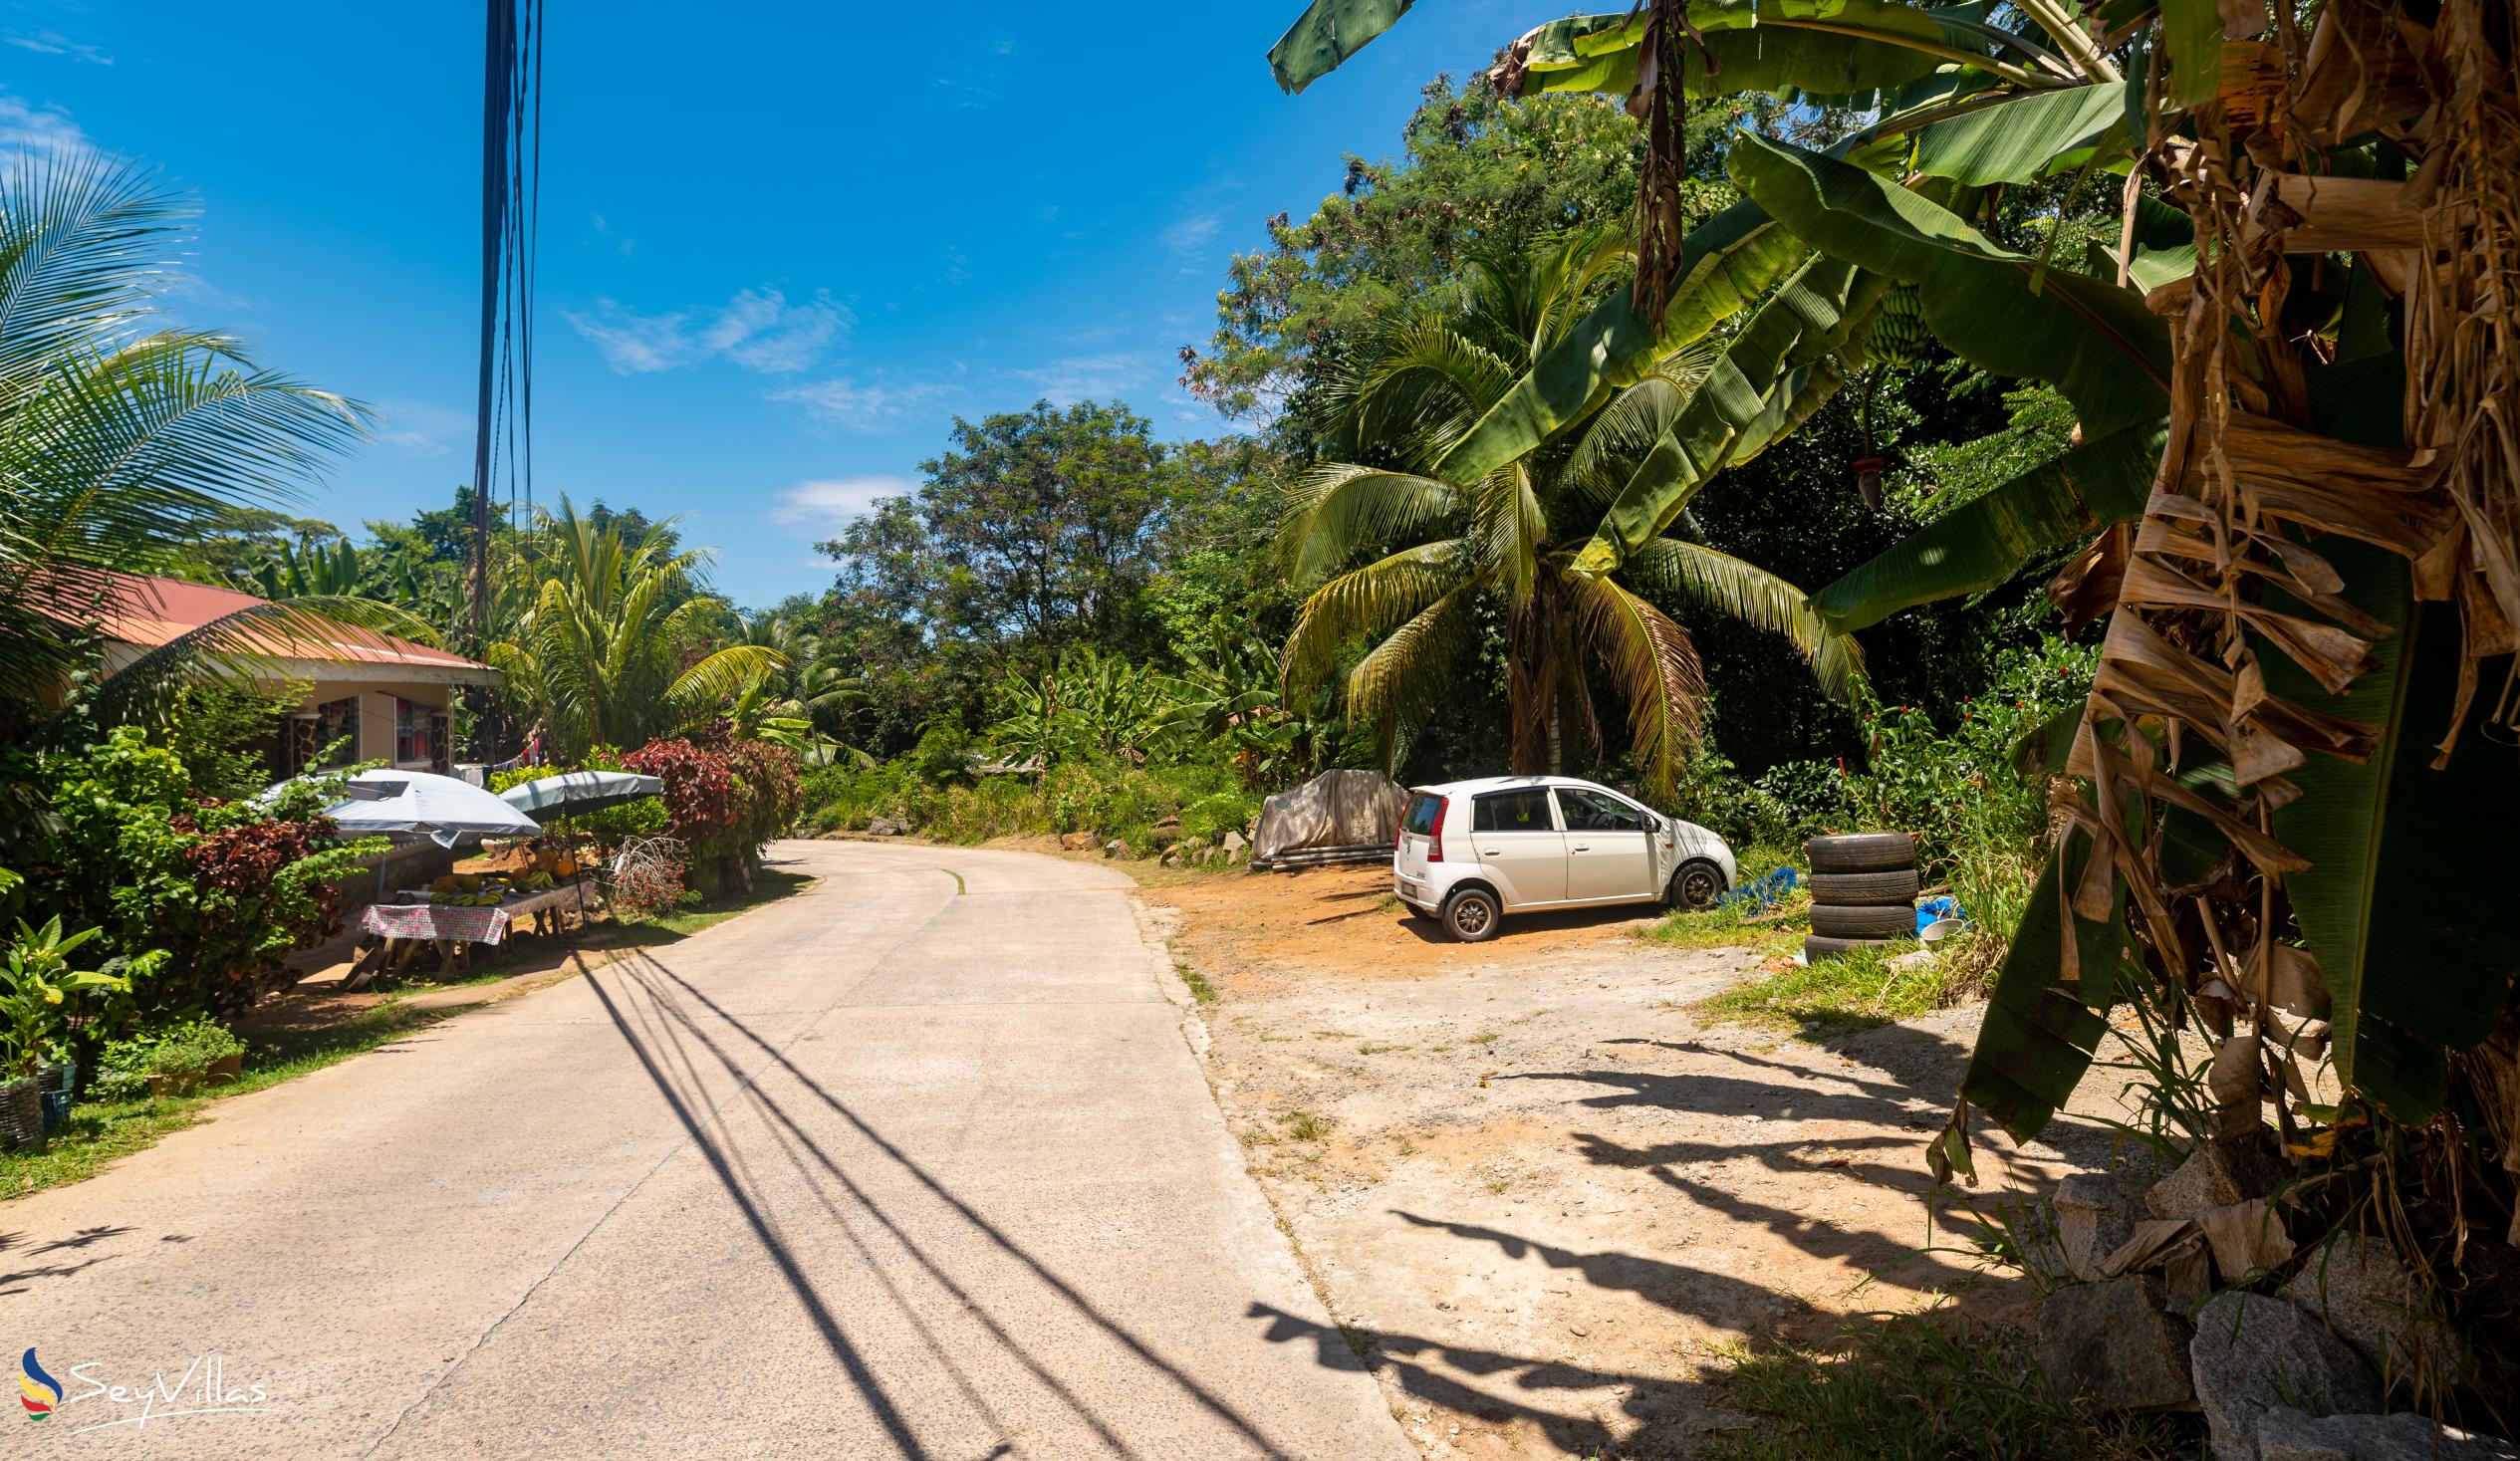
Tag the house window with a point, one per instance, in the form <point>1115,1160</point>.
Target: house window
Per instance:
<point>306,735</point>
<point>414,733</point>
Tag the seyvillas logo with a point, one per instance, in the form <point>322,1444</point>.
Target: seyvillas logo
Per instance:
<point>38,1392</point>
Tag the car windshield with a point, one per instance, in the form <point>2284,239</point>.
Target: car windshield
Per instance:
<point>1597,812</point>
<point>1513,812</point>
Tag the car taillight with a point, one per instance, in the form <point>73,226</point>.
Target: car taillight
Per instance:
<point>1434,840</point>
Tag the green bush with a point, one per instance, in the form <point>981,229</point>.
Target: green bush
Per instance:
<point>645,816</point>
<point>1211,817</point>
<point>189,1047</point>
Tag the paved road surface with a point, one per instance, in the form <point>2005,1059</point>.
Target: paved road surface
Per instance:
<point>915,1165</point>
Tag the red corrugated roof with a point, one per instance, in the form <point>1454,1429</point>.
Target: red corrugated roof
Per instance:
<point>141,608</point>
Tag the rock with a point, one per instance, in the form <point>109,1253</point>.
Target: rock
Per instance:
<point>1171,858</point>
<point>1075,841</point>
<point>2113,1343</point>
<point>1912,959</point>
<point>1115,847</point>
<point>2367,1297</point>
<point>2247,1237</point>
<point>2220,1172</point>
<point>1234,843</point>
<point>2094,1213</point>
<point>2286,1434</point>
<point>2253,1353</point>
<point>2187,1273</point>
<point>1167,823</point>
<point>885,827</point>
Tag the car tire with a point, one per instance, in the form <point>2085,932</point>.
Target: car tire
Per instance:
<point>1817,947</point>
<point>1860,852</point>
<point>1834,920</point>
<point>1472,916</point>
<point>1864,890</point>
<point>1695,884</point>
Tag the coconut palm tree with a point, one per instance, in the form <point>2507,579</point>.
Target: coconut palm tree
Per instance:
<point>1512,539</point>
<point>122,442</point>
<point>599,653</point>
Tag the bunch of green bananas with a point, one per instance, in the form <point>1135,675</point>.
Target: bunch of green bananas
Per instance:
<point>1900,336</point>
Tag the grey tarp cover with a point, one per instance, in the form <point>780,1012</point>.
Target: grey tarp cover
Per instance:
<point>1337,809</point>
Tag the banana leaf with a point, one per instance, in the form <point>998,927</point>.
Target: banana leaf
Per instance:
<point>1325,35</point>
<point>2192,31</point>
<point>2041,1032</point>
<point>1754,392</point>
<point>1985,542</point>
<point>2402,904</point>
<point>1727,261</point>
<point>2030,136</point>
<point>1815,52</point>
<point>2093,339</point>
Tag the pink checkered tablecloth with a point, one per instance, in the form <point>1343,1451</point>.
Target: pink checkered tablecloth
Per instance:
<point>436,921</point>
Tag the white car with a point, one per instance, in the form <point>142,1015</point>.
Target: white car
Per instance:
<point>1468,853</point>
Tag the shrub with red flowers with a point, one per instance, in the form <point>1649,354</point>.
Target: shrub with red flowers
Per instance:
<point>724,803</point>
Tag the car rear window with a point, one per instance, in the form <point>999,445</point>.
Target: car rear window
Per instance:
<point>1422,810</point>
<point>1512,811</point>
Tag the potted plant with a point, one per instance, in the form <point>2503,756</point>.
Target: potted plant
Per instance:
<point>35,984</point>
<point>192,1055</point>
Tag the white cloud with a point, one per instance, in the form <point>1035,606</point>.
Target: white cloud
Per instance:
<point>1072,379</point>
<point>417,428</point>
<point>830,504</point>
<point>1192,232</point>
<point>859,408</point>
<point>54,43</point>
<point>758,328</point>
<point>45,133</point>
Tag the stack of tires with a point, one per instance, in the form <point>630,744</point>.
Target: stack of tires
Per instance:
<point>1863,891</point>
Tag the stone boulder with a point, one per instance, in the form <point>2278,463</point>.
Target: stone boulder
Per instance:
<point>2368,1297</point>
<point>2220,1172</point>
<point>2111,1344</point>
<point>2286,1434</point>
<point>1076,842</point>
<point>1116,848</point>
<point>885,827</point>
<point>2096,1213</point>
<point>2253,1355</point>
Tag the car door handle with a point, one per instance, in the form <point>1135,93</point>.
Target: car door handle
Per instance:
<point>1584,847</point>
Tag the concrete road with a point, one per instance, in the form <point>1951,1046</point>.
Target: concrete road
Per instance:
<point>914,1164</point>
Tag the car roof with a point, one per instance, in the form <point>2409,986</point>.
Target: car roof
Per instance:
<point>1477,784</point>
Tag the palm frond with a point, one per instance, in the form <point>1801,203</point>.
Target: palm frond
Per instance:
<point>1755,597</point>
<point>1655,667</point>
<point>1414,671</point>
<point>1338,511</point>
<point>1366,600</point>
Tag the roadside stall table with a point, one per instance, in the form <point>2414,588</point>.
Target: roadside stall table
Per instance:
<point>403,930</point>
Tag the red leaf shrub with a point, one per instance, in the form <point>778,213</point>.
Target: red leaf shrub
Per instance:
<point>769,796</point>
<point>700,790</point>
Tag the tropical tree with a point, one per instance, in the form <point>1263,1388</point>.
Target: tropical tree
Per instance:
<point>611,646</point>
<point>1523,535</point>
<point>124,442</point>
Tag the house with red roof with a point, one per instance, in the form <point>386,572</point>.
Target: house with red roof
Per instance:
<point>388,698</point>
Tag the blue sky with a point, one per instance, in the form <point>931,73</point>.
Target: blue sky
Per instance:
<point>782,246</point>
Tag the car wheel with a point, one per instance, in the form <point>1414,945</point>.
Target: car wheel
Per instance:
<point>1696,884</point>
<point>1472,916</point>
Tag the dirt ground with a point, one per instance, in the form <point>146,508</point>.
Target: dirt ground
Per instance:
<point>1538,1188</point>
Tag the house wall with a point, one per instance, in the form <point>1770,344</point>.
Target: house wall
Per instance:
<point>377,712</point>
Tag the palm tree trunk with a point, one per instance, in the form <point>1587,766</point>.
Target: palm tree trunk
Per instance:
<point>1531,681</point>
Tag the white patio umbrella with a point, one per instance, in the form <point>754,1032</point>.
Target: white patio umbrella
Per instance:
<point>581,793</point>
<point>424,804</point>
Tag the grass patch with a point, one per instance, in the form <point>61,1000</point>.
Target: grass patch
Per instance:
<point>1914,1388</point>
<point>1372,1048</point>
<point>1200,989</point>
<point>1839,996</point>
<point>1306,1126</point>
<point>99,1132</point>
<point>1488,1038</point>
<point>1778,931</point>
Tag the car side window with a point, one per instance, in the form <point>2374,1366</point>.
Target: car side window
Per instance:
<point>1592,812</point>
<point>1512,811</point>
